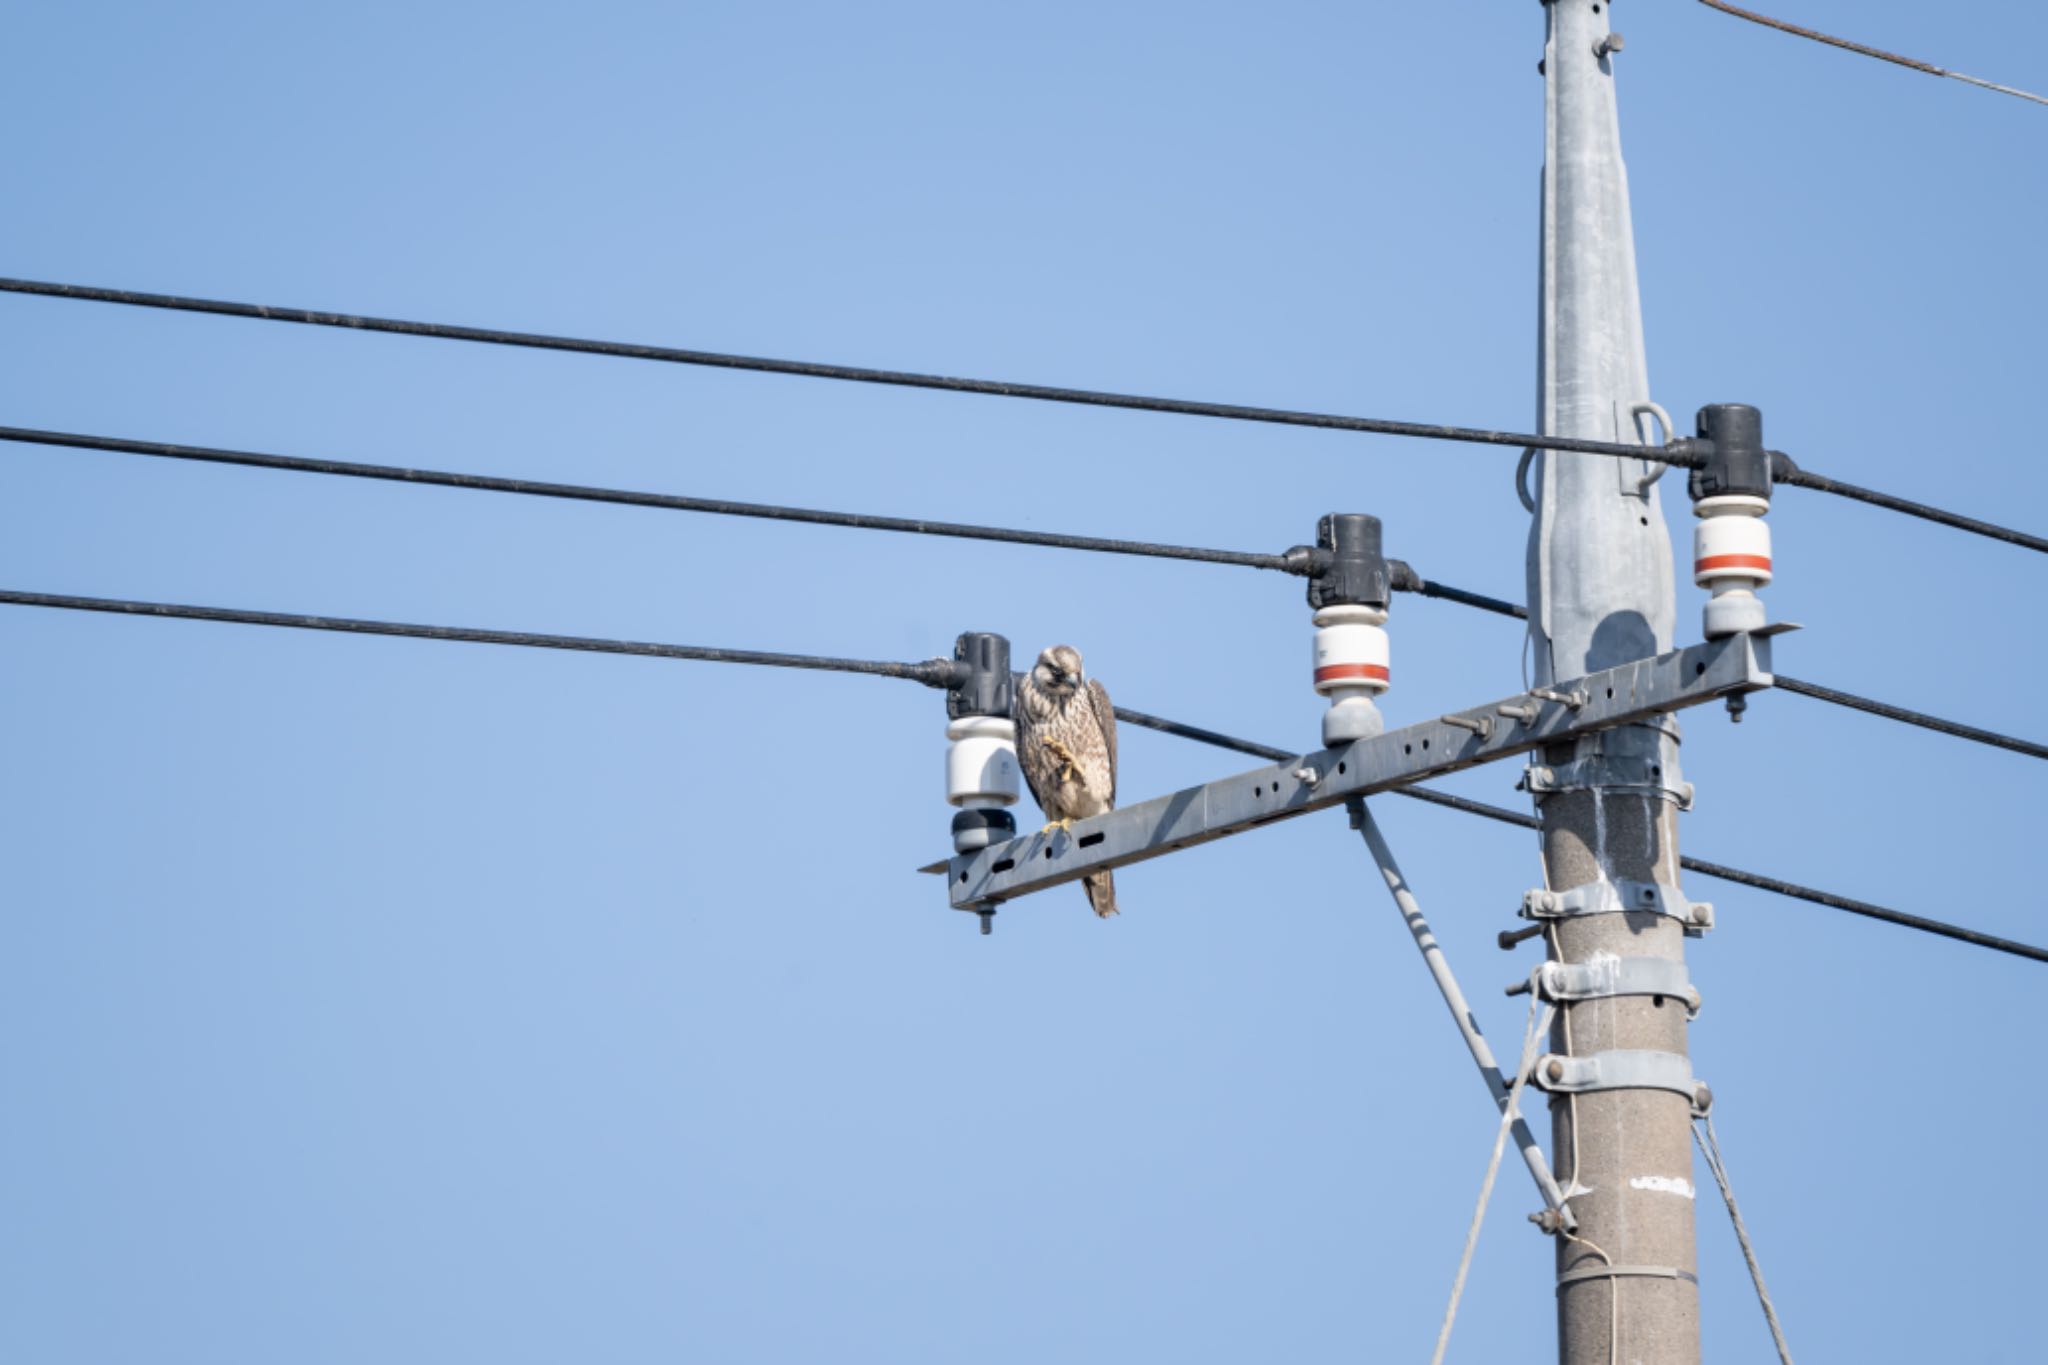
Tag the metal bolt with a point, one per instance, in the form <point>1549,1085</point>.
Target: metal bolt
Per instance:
<point>988,921</point>
<point>1510,937</point>
<point>1555,1071</point>
<point>1611,43</point>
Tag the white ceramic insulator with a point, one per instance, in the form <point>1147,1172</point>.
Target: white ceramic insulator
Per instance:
<point>1732,541</point>
<point>1731,557</point>
<point>981,762</point>
<point>1351,653</point>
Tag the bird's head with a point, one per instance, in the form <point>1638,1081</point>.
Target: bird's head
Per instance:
<point>1059,670</point>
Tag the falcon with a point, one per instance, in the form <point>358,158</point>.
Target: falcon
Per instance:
<point>1066,745</point>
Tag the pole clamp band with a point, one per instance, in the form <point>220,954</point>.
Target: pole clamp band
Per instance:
<point>1623,1069</point>
<point>1640,758</point>
<point>1606,976</point>
<point>1624,897</point>
<point>1615,1272</point>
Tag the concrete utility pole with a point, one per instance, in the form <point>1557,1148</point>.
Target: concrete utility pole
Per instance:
<point>1600,594</point>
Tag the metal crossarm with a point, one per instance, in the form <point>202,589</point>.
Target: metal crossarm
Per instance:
<point>1634,692</point>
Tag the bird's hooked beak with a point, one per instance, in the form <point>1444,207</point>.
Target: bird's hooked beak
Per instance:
<point>1071,679</point>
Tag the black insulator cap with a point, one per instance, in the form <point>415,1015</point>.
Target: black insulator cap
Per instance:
<point>985,686</point>
<point>1355,572</point>
<point>1731,437</point>
<point>982,826</point>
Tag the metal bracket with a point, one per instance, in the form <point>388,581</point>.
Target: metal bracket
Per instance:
<point>1607,976</point>
<point>1627,695</point>
<point>1632,758</point>
<point>1616,898</point>
<point>1623,1069</point>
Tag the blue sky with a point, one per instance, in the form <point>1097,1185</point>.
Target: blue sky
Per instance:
<point>382,999</point>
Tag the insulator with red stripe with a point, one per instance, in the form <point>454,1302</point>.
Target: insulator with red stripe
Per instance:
<point>1731,557</point>
<point>1731,491</point>
<point>1351,668</point>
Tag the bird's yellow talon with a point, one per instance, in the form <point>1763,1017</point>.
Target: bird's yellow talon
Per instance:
<point>1063,826</point>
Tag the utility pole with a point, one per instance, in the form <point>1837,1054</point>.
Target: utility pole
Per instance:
<point>1600,594</point>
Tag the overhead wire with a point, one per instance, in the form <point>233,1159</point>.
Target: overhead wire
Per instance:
<point>1900,714</point>
<point>1799,687</point>
<point>937,673</point>
<point>1676,455</point>
<point>1821,483</point>
<point>1864,50</point>
<point>1300,560</point>
<point>1722,871</point>
<point>932,673</point>
<point>851,373</point>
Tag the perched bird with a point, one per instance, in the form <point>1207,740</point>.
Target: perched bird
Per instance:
<point>1066,744</point>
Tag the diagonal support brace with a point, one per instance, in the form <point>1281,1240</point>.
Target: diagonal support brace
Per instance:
<point>1499,1085</point>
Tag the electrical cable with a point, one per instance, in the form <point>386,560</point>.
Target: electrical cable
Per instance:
<point>1805,478</point>
<point>1676,455</point>
<point>1799,687</point>
<point>936,673</point>
<point>1302,560</point>
<point>1721,871</point>
<point>669,501</point>
<point>851,373</point>
<point>1861,50</point>
<point>1905,717</point>
<point>932,673</point>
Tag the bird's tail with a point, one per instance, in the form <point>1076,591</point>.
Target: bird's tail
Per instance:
<point>1101,889</point>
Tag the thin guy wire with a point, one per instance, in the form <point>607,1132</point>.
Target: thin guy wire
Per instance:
<point>852,373</point>
<point>1509,1113</point>
<point>626,497</point>
<point>1862,50</point>
<point>934,673</point>
<point>1700,865</point>
<point>1710,1148</point>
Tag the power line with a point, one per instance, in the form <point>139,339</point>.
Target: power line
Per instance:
<point>851,373</point>
<point>1905,717</point>
<point>1956,729</point>
<point>1301,560</point>
<point>1665,455</point>
<point>677,502</point>
<point>932,673</point>
<point>1861,50</point>
<point>1821,483</point>
<point>1699,865</point>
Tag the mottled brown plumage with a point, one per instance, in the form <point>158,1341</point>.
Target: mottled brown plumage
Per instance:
<point>1066,744</point>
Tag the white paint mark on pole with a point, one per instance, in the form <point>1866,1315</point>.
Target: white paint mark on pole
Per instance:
<point>1663,1184</point>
